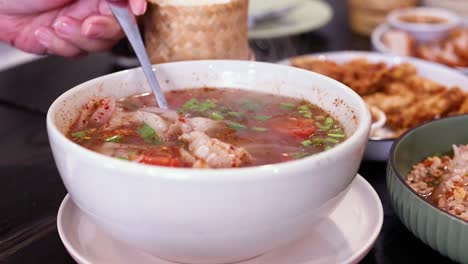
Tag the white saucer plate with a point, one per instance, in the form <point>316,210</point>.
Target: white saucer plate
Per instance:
<point>346,236</point>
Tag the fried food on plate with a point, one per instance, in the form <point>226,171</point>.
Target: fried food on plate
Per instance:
<point>407,98</point>
<point>325,67</point>
<point>364,77</point>
<point>434,106</point>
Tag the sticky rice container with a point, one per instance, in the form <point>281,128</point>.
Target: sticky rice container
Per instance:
<point>177,30</point>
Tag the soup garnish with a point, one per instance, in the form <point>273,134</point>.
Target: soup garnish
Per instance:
<point>209,128</point>
<point>443,181</point>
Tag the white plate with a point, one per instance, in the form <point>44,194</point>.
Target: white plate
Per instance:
<point>345,237</point>
<point>379,150</point>
<point>306,16</point>
<point>379,46</point>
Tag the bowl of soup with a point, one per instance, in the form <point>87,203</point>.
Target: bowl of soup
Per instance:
<point>244,161</point>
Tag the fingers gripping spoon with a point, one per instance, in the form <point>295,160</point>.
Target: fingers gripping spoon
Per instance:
<point>128,23</point>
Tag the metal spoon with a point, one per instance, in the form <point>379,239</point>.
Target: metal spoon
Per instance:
<point>128,23</point>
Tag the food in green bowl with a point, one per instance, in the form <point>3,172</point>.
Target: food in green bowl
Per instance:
<point>443,181</point>
<point>422,206</point>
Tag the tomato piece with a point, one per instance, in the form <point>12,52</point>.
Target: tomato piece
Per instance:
<point>165,156</point>
<point>161,161</point>
<point>299,127</point>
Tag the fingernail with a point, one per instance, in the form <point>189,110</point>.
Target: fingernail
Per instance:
<point>104,8</point>
<point>141,8</point>
<point>44,36</point>
<point>94,30</point>
<point>65,27</point>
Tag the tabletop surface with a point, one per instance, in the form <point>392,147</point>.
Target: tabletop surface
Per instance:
<point>31,189</point>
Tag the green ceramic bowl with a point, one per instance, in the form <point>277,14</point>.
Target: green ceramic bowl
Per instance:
<point>440,230</point>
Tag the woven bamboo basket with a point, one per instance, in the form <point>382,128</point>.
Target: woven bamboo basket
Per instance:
<point>365,15</point>
<point>178,30</point>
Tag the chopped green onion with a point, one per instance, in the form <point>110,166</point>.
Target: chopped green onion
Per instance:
<point>298,155</point>
<point>336,131</point>
<point>328,147</point>
<point>329,121</point>
<point>287,106</point>
<point>303,108</point>
<point>317,141</point>
<point>217,116</point>
<point>308,114</point>
<point>306,143</point>
<point>148,134</point>
<point>235,114</point>
<point>123,158</point>
<point>115,138</point>
<point>236,126</point>
<point>79,134</point>
<point>259,129</point>
<point>336,135</point>
<point>252,106</point>
<point>262,117</point>
<point>191,104</point>
<point>323,127</point>
<point>207,105</point>
<point>331,140</point>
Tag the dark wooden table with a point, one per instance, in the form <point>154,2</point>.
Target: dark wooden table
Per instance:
<point>30,186</point>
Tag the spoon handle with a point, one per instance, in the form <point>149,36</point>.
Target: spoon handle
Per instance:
<point>128,23</point>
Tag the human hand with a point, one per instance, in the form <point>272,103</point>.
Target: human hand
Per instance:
<point>63,27</point>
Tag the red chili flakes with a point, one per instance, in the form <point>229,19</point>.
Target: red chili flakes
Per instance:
<point>428,163</point>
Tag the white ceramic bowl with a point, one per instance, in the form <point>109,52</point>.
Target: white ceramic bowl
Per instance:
<point>424,32</point>
<point>207,215</point>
